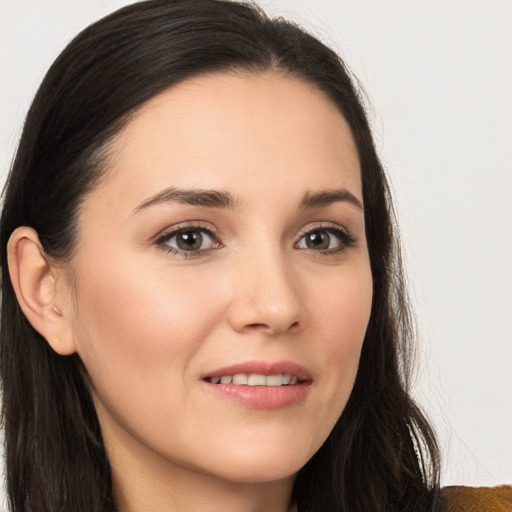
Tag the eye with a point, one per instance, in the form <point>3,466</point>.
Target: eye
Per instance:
<point>326,239</point>
<point>188,240</point>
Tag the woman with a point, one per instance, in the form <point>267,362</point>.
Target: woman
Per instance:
<point>203,305</point>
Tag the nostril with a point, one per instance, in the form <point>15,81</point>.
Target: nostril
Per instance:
<point>257,326</point>
<point>271,328</point>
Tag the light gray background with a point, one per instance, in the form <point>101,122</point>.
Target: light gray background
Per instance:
<point>439,78</point>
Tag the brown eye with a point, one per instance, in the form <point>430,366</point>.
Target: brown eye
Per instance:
<point>189,240</point>
<point>327,240</point>
<point>319,240</point>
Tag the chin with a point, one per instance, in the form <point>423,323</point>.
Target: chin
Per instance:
<point>260,473</point>
<point>262,467</point>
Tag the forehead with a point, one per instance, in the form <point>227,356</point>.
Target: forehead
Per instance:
<point>235,131</point>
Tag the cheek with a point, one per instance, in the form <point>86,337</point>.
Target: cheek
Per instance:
<point>143,324</point>
<point>341,313</point>
<point>343,308</point>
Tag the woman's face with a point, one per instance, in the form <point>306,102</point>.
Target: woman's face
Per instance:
<point>227,239</point>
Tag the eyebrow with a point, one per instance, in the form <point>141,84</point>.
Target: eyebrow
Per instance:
<point>328,197</point>
<point>223,199</point>
<point>195,197</point>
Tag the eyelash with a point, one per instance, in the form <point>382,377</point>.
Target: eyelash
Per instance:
<point>163,240</point>
<point>346,240</point>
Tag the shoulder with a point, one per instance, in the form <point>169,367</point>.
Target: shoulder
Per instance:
<point>478,499</point>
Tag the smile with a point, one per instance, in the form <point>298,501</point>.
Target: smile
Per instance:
<point>260,384</point>
<point>255,379</point>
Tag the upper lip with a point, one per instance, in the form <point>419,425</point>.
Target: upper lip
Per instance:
<point>262,368</point>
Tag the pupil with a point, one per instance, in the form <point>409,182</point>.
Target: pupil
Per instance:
<point>189,240</point>
<point>318,240</point>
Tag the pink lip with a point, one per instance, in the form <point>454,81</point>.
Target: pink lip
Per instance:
<point>262,397</point>
<point>262,368</point>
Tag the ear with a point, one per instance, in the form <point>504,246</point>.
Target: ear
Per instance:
<point>35,282</point>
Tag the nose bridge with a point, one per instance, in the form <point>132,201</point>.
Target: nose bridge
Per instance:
<point>267,293</point>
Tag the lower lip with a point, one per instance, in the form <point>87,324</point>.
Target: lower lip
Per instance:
<point>262,397</point>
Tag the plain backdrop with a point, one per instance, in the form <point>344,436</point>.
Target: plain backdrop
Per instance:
<point>438,75</point>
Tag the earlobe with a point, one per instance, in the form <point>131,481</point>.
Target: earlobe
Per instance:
<point>35,283</point>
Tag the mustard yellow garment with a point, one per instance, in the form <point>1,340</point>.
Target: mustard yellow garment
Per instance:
<point>478,499</point>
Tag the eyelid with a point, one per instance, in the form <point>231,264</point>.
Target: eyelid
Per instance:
<point>347,240</point>
<point>174,230</point>
<point>183,226</point>
<point>345,237</point>
<point>322,225</point>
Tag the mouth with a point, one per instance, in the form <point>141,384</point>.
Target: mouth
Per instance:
<point>260,385</point>
<point>256,379</point>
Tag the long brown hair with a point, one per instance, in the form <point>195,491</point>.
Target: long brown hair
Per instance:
<point>382,454</point>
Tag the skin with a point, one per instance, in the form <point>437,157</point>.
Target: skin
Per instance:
<point>149,323</point>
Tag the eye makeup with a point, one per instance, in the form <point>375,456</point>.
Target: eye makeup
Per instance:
<point>325,239</point>
<point>195,239</point>
<point>188,240</point>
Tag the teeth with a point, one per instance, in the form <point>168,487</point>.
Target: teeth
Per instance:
<point>274,380</point>
<point>240,378</point>
<point>255,379</point>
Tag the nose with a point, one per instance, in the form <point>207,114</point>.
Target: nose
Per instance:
<point>267,297</point>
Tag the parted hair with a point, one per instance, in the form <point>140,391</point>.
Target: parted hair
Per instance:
<point>382,454</point>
